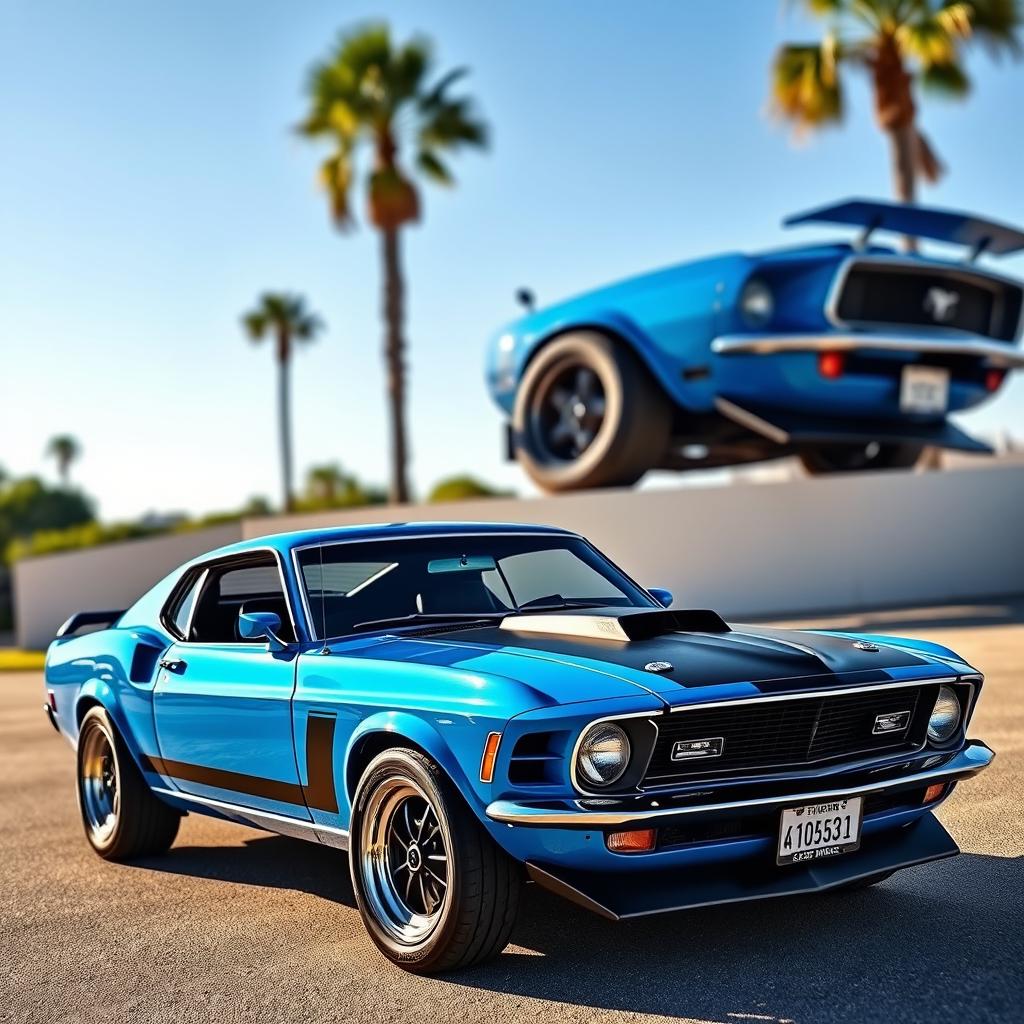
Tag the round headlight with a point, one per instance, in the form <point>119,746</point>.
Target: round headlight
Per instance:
<point>757,303</point>
<point>945,718</point>
<point>603,754</point>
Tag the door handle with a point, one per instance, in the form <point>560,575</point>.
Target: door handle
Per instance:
<point>173,665</point>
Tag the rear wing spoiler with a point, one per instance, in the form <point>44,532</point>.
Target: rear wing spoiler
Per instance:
<point>954,226</point>
<point>81,619</point>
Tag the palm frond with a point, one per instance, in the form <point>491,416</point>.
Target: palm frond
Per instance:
<point>946,79</point>
<point>432,167</point>
<point>928,40</point>
<point>806,88</point>
<point>997,25</point>
<point>336,180</point>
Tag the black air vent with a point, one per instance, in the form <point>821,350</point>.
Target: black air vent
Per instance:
<point>644,625</point>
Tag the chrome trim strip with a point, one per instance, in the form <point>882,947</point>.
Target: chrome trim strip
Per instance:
<point>279,823</point>
<point>841,691</point>
<point>975,757</point>
<point>999,353</point>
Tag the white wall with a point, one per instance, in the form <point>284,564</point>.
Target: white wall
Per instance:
<point>50,588</point>
<point>746,549</point>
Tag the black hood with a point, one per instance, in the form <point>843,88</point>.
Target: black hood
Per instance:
<point>707,656</point>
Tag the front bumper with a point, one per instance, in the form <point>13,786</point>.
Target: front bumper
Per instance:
<point>561,841</point>
<point>1003,355</point>
<point>593,815</point>
<point>657,892</point>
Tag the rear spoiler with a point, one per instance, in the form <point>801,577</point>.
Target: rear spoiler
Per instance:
<point>978,234</point>
<point>82,619</point>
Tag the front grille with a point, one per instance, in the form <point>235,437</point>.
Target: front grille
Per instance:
<point>788,734</point>
<point>893,293</point>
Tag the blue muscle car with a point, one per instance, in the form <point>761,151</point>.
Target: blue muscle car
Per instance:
<point>464,707</point>
<point>848,356</point>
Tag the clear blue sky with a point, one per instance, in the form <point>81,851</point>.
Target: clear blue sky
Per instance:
<point>150,188</point>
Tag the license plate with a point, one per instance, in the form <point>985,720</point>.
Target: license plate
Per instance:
<point>924,389</point>
<point>821,830</point>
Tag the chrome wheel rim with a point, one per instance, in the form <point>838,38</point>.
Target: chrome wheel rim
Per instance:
<point>404,861</point>
<point>568,412</point>
<point>100,784</point>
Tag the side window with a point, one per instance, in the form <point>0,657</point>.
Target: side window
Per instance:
<point>251,586</point>
<point>183,613</point>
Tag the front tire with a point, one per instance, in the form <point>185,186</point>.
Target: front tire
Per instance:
<point>589,414</point>
<point>434,890</point>
<point>121,816</point>
<point>851,458</point>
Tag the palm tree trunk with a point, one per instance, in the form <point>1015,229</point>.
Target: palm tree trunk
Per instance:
<point>903,148</point>
<point>394,360</point>
<point>284,421</point>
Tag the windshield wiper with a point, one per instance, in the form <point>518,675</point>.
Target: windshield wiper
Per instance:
<point>555,606</point>
<point>412,619</point>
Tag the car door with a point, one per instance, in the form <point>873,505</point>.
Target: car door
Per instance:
<point>222,705</point>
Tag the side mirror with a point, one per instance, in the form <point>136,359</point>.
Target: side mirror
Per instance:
<point>662,596</point>
<point>260,625</point>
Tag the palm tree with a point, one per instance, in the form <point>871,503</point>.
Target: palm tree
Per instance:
<point>65,450</point>
<point>900,43</point>
<point>286,320</point>
<point>371,94</point>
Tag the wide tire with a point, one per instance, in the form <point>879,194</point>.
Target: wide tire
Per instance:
<point>121,816</point>
<point>589,414</point>
<point>434,890</point>
<point>846,458</point>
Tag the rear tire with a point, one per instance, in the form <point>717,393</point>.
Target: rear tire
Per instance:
<point>435,892</point>
<point>589,414</point>
<point>852,458</point>
<point>121,816</point>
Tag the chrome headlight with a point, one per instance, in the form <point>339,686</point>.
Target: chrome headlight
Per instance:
<point>945,718</point>
<point>603,754</point>
<point>757,304</point>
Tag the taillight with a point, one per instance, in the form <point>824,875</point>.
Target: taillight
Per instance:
<point>831,364</point>
<point>994,379</point>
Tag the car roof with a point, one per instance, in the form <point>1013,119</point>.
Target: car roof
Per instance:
<point>285,542</point>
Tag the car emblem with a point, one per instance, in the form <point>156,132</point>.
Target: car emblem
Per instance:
<point>865,645</point>
<point>690,750</point>
<point>658,666</point>
<point>941,304</point>
<point>892,721</point>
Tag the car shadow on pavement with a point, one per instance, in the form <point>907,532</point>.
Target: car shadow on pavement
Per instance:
<point>902,950</point>
<point>267,860</point>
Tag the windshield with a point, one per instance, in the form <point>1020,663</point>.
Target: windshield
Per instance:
<point>356,587</point>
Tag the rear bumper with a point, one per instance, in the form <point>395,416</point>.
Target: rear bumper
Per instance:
<point>618,896</point>
<point>626,814</point>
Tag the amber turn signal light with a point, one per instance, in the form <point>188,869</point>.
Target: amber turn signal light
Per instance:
<point>831,364</point>
<point>490,755</point>
<point>934,792</point>
<point>641,840</point>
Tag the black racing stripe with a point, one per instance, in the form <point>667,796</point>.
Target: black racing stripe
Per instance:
<point>320,792</point>
<point>253,785</point>
<point>318,795</point>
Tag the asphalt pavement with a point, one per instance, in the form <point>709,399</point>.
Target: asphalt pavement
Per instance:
<point>235,925</point>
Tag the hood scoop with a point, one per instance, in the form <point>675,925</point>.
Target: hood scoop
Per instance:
<point>619,624</point>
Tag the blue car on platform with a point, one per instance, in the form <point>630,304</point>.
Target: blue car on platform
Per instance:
<point>849,356</point>
<point>465,707</point>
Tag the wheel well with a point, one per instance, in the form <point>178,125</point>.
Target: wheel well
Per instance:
<point>367,749</point>
<point>612,334</point>
<point>83,706</point>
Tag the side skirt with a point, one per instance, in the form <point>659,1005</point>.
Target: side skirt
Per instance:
<point>265,820</point>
